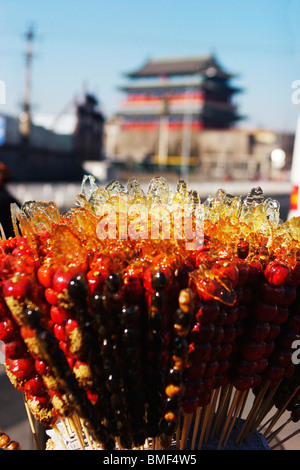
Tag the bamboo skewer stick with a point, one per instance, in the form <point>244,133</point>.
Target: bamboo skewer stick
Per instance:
<point>280,412</point>
<point>177,435</point>
<point>65,428</point>
<point>278,430</point>
<point>240,414</point>
<point>203,427</point>
<point>228,418</point>
<point>87,434</point>
<point>263,410</point>
<point>77,431</point>
<point>224,411</point>
<point>59,436</point>
<point>211,414</point>
<point>222,403</point>
<point>196,426</point>
<point>285,439</point>
<point>234,418</point>
<point>31,423</point>
<point>185,429</point>
<point>252,414</point>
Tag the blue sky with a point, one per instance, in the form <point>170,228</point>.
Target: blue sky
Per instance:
<point>92,43</point>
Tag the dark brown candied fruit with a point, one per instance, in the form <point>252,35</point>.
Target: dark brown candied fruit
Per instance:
<point>253,350</point>
<point>159,281</point>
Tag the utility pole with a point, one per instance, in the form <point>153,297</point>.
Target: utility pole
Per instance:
<point>25,116</point>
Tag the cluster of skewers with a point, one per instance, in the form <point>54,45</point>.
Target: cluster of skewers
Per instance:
<point>113,340</point>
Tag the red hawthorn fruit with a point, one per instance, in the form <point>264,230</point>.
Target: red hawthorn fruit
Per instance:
<point>294,323</point>
<point>245,367</point>
<point>20,288</point>
<point>199,352</point>
<point>96,278</point>
<point>195,371</point>
<point>34,386</point>
<point>228,269</point>
<point>220,380</point>
<point>202,333</point>
<point>45,274</point>
<point>208,313</point>
<point>277,273</point>
<point>265,312</point>
<point>295,275</point>
<point>226,350</point>
<point>232,315</point>
<point>229,333</point>
<point>7,330</point>
<point>224,366</point>
<point>92,396</point>
<point>204,398</point>
<point>27,332</point>
<point>58,314</point>
<point>247,294</point>
<point>257,380</point>
<point>61,279</point>
<point>281,315</point>
<point>212,368</point>
<point>290,295</point>
<point>282,358</point>
<point>252,350</point>
<point>208,383</point>
<point>59,332</point>
<point>215,352</point>
<point>41,367</point>
<point>189,405</point>
<point>42,400</point>
<point>274,372</point>
<point>258,330</point>
<point>274,331</point>
<point>269,347</point>
<point>255,271</point>
<point>243,249</point>
<point>71,325</point>
<point>270,294</point>
<point>262,363</point>
<point>288,338</point>
<point>20,368</point>
<point>192,388</point>
<point>3,308</point>
<point>289,371</point>
<point>51,296</point>
<point>14,349</point>
<point>243,382</point>
<point>133,289</point>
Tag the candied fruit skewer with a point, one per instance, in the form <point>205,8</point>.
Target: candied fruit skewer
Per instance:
<point>182,322</point>
<point>155,283</point>
<point>55,358</point>
<point>21,291</point>
<point>20,365</point>
<point>20,369</point>
<point>132,361</point>
<point>106,308</point>
<point>69,331</point>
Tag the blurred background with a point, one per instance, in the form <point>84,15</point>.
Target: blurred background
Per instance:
<point>205,90</point>
<point>201,90</point>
